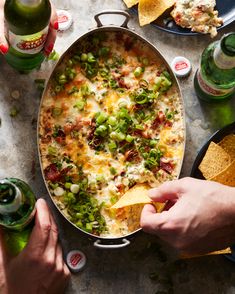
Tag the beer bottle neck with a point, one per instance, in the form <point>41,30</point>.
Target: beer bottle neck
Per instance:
<point>10,197</point>
<point>30,2</point>
<point>224,53</point>
<point>227,44</point>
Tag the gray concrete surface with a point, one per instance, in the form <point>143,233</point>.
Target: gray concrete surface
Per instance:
<point>125,270</point>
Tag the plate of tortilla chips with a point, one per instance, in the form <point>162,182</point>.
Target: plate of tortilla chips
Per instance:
<point>216,159</point>
<point>159,13</point>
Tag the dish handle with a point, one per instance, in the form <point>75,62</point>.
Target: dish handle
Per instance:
<point>108,12</point>
<point>124,243</point>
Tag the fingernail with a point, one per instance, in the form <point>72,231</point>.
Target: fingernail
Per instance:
<point>56,25</point>
<point>3,48</point>
<point>49,49</point>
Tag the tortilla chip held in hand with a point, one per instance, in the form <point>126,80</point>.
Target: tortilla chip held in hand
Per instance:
<point>138,194</point>
<point>150,10</point>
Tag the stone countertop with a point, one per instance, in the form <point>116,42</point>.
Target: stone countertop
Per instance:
<point>146,266</point>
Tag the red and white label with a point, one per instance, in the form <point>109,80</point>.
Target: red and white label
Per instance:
<point>181,66</point>
<point>76,260</point>
<point>29,44</point>
<point>209,89</point>
<point>62,18</point>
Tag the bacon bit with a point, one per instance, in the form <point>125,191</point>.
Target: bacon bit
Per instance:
<point>60,138</point>
<point>64,106</point>
<point>52,173</point>
<point>81,122</point>
<point>68,128</point>
<point>47,129</point>
<point>166,165</point>
<point>125,71</point>
<point>121,83</point>
<point>132,156</point>
<point>129,42</point>
<point>137,107</point>
<point>177,18</point>
<point>120,187</point>
<point>168,124</point>
<point>158,120</point>
<point>46,139</point>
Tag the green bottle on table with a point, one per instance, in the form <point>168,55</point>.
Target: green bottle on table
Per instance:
<point>17,210</point>
<point>27,24</point>
<point>215,79</point>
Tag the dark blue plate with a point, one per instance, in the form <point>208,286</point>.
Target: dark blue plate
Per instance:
<point>226,9</point>
<point>195,172</point>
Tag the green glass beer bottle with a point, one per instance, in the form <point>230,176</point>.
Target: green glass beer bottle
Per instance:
<point>27,24</point>
<point>17,210</point>
<point>215,79</point>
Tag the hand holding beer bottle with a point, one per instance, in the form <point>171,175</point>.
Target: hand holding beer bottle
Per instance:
<point>51,37</point>
<point>39,268</point>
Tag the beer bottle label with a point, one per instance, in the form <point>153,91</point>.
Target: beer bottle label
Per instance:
<point>209,89</point>
<point>30,44</point>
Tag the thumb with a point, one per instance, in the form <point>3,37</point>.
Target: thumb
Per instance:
<point>167,191</point>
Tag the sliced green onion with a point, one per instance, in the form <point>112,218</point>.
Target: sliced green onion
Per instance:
<point>138,71</point>
<point>74,188</point>
<point>102,117</point>
<point>57,111</point>
<point>112,121</point>
<point>129,138</point>
<point>52,150</point>
<point>84,57</point>
<point>80,105</point>
<point>113,171</point>
<point>101,131</point>
<point>112,146</point>
<point>91,58</point>
<point>67,185</point>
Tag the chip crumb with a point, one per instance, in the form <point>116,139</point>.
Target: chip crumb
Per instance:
<point>14,111</point>
<point>15,94</point>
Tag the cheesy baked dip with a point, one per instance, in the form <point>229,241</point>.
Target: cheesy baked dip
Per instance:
<point>199,15</point>
<point>111,117</point>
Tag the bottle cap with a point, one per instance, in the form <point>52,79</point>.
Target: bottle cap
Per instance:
<point>181,66</point>
<point>76,260</point>
<point>64,19</point>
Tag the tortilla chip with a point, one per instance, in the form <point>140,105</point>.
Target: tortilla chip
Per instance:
<point>150,10</point>
<point>137,195</point>
<point>214,161</point>
<point>226,176</point>
<point>223,251</point>
<point>228,144</point>
<point>130,3</point>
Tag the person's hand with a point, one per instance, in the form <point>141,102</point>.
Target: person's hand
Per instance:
<point>199,215</point>
<point>39,268</point>
<point>49,45</point>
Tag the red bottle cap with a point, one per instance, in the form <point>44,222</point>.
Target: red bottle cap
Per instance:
<point>181,66</point>
<point>76,260</point>
<point>64,19</point>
